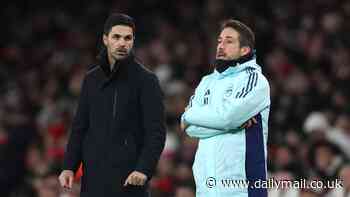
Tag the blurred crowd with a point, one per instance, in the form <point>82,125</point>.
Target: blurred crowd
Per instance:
<point>303,47</point>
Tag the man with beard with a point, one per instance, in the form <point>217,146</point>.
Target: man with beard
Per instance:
<point>221,113</point>
<point>118,131</point>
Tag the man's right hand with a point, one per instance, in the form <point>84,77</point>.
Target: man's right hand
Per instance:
<point>66,178</point>
<point>184,126</point>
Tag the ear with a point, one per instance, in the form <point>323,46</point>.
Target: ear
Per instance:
<point>105,39</point>
<point>245,50</point>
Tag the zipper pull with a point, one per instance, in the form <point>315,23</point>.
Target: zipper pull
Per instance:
<point>125,142</point>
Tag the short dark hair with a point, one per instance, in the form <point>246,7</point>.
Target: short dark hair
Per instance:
<point>246,35</point>
<point>118,19</point>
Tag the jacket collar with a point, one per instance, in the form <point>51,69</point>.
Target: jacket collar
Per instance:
<point>120,68</point>
<point>119,65</point>
<point>222,65</point>
<point>238,68</point>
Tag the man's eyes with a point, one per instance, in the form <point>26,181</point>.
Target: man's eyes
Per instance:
<point>117,37</point>
<point>226,41</point>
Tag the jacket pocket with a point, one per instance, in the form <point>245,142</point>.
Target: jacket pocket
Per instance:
<point>125,153</point>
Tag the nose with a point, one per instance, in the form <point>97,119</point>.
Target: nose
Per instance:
<point>220,46</point>
<point>122,42</point>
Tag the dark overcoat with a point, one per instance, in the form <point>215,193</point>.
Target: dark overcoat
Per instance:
<point>118,127</point>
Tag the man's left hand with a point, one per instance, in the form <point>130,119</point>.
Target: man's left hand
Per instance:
<point>136,178</point>
<point>249,123</point>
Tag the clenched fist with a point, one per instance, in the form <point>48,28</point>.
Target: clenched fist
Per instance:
<point>136,178</point>
<point>66,178</point>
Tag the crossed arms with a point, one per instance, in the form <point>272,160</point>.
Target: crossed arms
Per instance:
<point>203,121</point>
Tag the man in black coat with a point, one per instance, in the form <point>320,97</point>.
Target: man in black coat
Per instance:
<point>118,131</point>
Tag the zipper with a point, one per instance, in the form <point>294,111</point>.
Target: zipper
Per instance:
<point>115,103</point>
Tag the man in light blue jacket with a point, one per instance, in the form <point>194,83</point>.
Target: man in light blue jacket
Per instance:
<point>229,154</point>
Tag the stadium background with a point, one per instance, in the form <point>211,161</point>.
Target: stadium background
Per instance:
<point>303,46</point>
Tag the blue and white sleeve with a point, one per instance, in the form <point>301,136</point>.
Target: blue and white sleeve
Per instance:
<point>197,131</point>
<point>202,132</point>
<point>246,102</point>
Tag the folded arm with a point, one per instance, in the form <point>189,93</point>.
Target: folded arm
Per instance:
<point>232,111</point>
